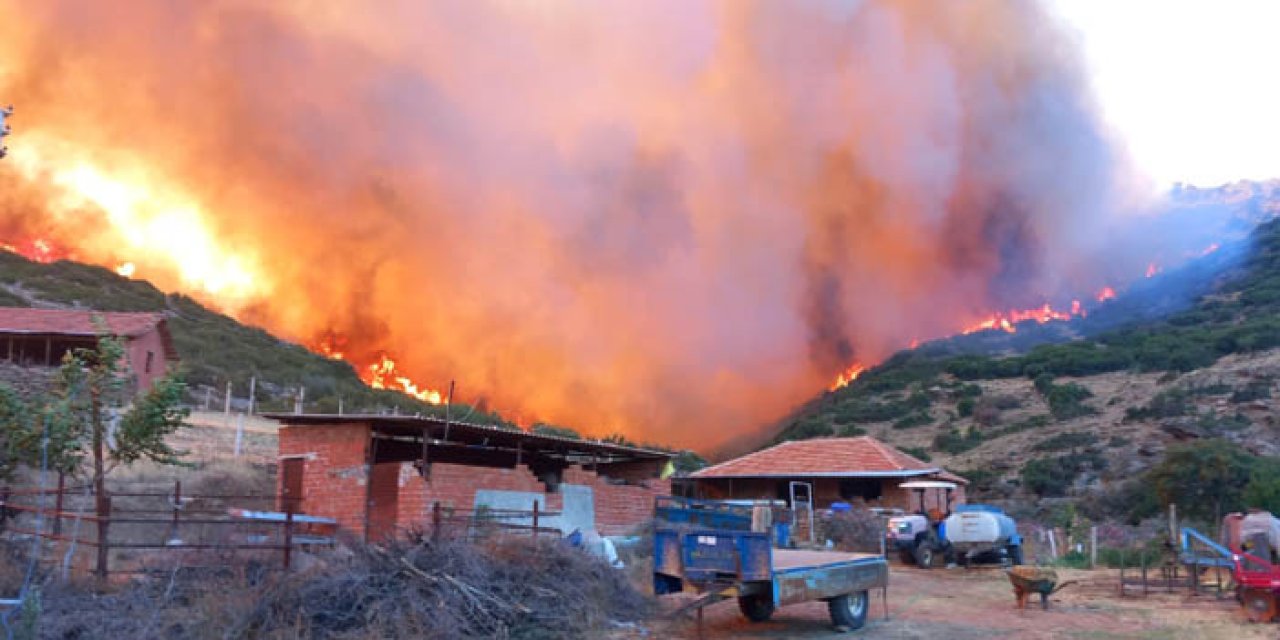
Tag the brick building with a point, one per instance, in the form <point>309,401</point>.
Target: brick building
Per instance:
<point>368,473</point>
<point>859,470</point>
<point>39,338</point>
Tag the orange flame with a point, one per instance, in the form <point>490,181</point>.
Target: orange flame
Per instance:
<point>848,376</point>
<point>126,269</point>
<point>1107,293</point>
<point>384,375</point>
<point>1007,321</point>
<point>1209,249</point>
<point>1152,270</point>
<point>36,250</point>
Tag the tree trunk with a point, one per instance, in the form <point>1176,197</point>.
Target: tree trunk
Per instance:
<point>99,481</point>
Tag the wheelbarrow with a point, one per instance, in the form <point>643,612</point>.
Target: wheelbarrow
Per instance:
<point>1028,580</point>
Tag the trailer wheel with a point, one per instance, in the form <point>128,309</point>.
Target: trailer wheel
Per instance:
<point>757,608</point>
<point>1015,554</point>
<point>849,610</point>
<point>924,554</point>
<point>1259,604</point>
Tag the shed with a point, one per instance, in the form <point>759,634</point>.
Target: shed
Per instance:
<point>33,338</point>
<point>380,475</point>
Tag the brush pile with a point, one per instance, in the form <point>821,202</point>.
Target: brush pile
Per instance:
<point>512,588</point>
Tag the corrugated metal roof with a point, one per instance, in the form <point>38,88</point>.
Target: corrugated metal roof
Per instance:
<point>467,432</point>
<point>860,457</point>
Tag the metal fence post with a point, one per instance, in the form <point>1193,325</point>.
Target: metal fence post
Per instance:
<point>57,504</point>
<point>535,520</point>
<point>435,521</point>
<point>177,507</point>
<point>288,533</point>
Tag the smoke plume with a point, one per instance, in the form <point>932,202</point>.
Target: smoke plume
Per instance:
<point>672,219</point>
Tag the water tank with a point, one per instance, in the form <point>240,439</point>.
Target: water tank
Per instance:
<point>980,525</point>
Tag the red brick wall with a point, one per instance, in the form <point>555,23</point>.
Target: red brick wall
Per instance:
<point>334,476</point>
<point>619,508</point>
<point>335,484</point>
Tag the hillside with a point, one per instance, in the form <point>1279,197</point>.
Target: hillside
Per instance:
<point>215,349</point>
<point>1100,399</point>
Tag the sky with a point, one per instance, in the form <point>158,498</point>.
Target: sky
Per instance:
<point>1190,85</point>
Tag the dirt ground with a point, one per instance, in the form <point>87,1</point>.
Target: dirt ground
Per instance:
<point>959,604</point>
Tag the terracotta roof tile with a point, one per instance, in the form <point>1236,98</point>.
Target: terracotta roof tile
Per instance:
<point>823,456</point>
<point>75,321</point>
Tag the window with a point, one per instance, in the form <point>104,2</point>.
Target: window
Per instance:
<point>868,489</point>
<point>151,356</point>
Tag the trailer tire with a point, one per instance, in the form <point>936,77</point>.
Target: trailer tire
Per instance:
<point>1015,554</point>
<point>849,610</point>
<point>756,608</point>
<point>924,554</point>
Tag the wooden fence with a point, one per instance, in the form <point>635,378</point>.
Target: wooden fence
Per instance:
<point>125,528</point>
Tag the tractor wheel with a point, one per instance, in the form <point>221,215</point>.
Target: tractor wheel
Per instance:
<point>1015,554</point>
<point>1259,604</point>
<point>849,610</point>
<point>924,554</point>
<point>757,608</point>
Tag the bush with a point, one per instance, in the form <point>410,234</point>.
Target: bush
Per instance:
<point>953,441</point>
<point>1049,477</point>
<point>1066,401</point>
<point>986,413</point>
<point>1257,390</point>
<point>918,453</point>
<point>1169,403</point>
<point>1064,441</point>
<point>913,420</point>
<point>965,407</point>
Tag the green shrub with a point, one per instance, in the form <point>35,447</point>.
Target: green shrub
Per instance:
<point>965,407</point>
<point>910,421</point>
<point>918,453</point>
<point>1169,403</point>
<point>1064,441</point>
<point>1257,390</point>
<point>1049,477</point>
<point>954,441</point>
<point>1067,401</point>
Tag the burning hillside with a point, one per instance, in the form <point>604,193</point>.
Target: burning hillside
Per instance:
<point>625,218</point>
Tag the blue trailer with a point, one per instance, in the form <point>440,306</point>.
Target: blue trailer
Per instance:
<point>720,564</point>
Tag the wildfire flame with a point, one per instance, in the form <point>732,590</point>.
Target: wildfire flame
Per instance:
<point>36,250</point>
<point>1007,321</point>
<point>1107,293</point>
<point>126,269</point>
<point>384,375</point>
<point>1152,270</point>
<point>848,376</point>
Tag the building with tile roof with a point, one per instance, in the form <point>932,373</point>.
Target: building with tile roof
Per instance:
<point>859,470</point>
<point>41,337</point>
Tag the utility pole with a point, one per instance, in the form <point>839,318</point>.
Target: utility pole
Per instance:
<point>226,408</point>
<point>253,388</point>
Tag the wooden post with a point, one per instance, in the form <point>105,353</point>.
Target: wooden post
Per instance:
<point>57,503</point>
<point>1144,572</point>
<point>1173,524</point>
<point>535,520</point>
<point>239,432</point>
<point>48,352</point>
<point>1053,545</point>
<point>177,508</point>
<point>288,533</point>
<point>339,405</point>
<point>208,397</point>
<point>4,503</point>
<point>1093,547</point>
<point>435,521</point>
<point>104,536</point>
<point>253,390</point>
<point>226,407</point>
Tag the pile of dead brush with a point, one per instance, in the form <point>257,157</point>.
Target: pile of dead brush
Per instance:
<point>506,589</point>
